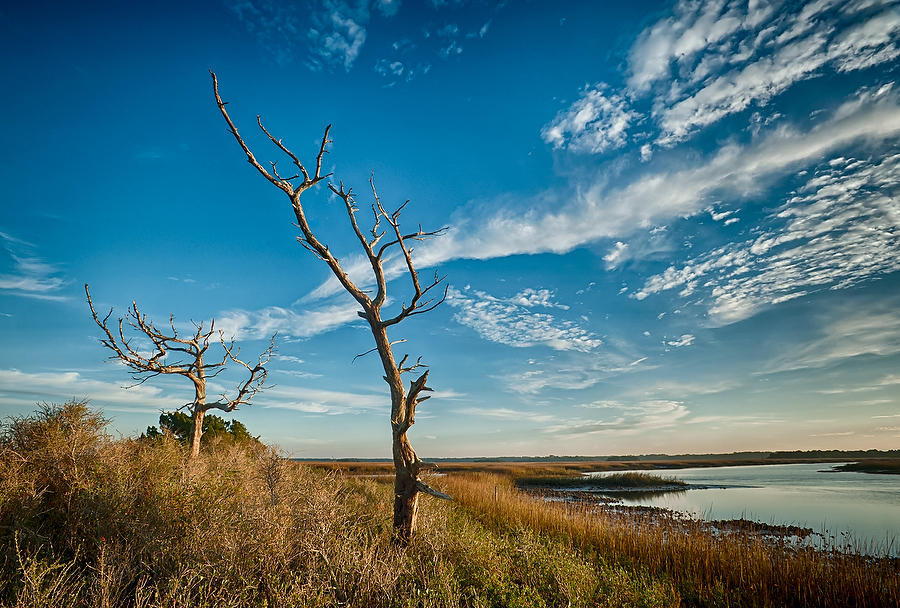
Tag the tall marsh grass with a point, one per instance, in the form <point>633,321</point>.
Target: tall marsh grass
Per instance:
<point>89,521</point>
<point>706,567</point>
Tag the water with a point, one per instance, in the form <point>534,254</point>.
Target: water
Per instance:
<point>860,511</point>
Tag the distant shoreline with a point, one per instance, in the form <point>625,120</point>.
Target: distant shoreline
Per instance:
<point>715,459</point>
<point>542,467</point>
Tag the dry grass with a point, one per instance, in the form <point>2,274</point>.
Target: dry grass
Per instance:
<point>613,481</point>
<point>731,569</point>
<point>549,468</point>
<point>87,521</point>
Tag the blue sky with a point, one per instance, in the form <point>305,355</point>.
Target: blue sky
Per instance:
<point>673,226</point>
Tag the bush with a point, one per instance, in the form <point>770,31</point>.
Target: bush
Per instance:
<point>216,431</point>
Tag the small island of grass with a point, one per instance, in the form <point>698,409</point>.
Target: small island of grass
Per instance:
<point>883,467</point>
<point>615,482</point>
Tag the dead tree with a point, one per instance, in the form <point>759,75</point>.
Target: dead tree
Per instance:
<point>190,354</point>
<point>377,243</point>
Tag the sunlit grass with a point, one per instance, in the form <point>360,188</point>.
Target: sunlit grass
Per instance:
<point>707,567</point>
<point>89,521</point>
<point>613,481</point>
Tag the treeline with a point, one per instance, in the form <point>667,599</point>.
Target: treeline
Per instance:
<point>779,455</point>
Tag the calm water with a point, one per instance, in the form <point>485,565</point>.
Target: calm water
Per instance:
<point>856,508</point>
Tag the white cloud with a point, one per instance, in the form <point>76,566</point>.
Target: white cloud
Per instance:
<point>338,37</point>
<point>24,389</point>
<point>846,332</point>
<point>31,276</point>
<point>597,210</point>
<point>841,228</point>
<point>531,298</point>
<point>684,340</point>
<point>450,50</point>
<point>321,401</point>
<point>505,413</point>
<point>573,370</point>
<point>616,255</point>
<point>711,59</point>
<point>261,324</point>
<point>510,323</point>
<point>625,419</point>
<point>597,122</point>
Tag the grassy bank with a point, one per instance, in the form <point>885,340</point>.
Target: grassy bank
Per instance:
<point>566,468</point>
<point>883,467</point>
<point>613,481</point>
<point>721,568</point>
<point>89,521</point>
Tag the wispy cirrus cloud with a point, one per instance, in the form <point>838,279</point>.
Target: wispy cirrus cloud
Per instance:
<point>512,322</point>
<point>310,400</point>
<point>560,220</point>
<point>840,228</point>
<point>712,59</point>
<point>328,34</point>
<point>28,275</point>
<point>623,419</point>
<point>684,340</point>
<point>287,322</point>
<point>25,388</point>
<point>865,328</point>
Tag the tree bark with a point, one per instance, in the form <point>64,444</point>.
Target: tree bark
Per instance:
<point>407,485</point>
<point>406,491</point>
<point>196,432</point>
<point>198,409</point>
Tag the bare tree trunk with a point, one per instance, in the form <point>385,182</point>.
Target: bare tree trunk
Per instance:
<point>198,410</point>
<point>191,365</point>
<point>406,491</point>
<point>403,407</point>
<point>196,432</point>
<point>407,485</point>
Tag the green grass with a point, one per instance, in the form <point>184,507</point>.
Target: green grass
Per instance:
<point>613,481</point>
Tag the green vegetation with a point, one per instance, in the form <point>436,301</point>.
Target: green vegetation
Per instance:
<point>885,467</point>
<point>613,481</point>
<point>216,430</point>
<point>89,521</point>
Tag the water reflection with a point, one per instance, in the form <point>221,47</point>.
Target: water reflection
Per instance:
<point>851,508</point>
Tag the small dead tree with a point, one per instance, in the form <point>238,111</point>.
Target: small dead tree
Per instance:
<point>190,354</point>
<point>377,243</point>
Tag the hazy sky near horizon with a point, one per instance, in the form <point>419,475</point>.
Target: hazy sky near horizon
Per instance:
<point>673,226</point>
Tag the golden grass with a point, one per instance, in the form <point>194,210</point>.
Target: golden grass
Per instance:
<point>88,521</point>
<point>548,468</point>
<point>707,568</point>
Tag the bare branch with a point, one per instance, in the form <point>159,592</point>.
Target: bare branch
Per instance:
<point>322,151</point>
<point>253,384</point>
<point>309,240</point>
<point>284,149</point>
<point>424,487</point>
<point>424,299</point>
<point>194,367</point>
<point>372,350</point>
<point>250,158</point>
